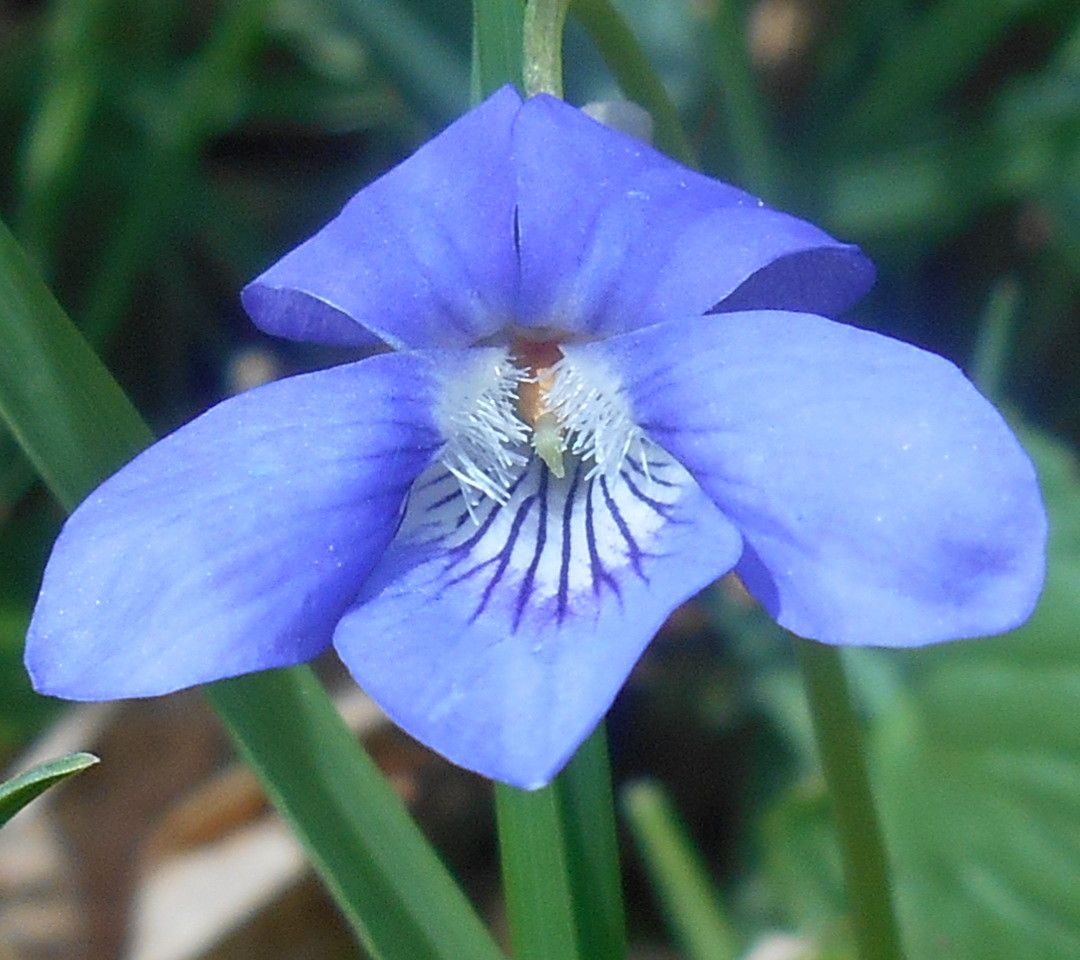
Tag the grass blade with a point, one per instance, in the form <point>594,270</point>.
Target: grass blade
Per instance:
<point>679,878</point>
<point>64,408</point>
<point>745,108</point>
<point>560,863</point>
<point>380,869</point>
<point>496,45</point>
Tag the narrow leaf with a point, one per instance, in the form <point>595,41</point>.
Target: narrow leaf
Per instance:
<point>64,408</point>
<point>679,878</point>
<point>381,870</point>
<point>991,359</point>
<point>496,45</point>
<point>17,792</point>
<point>53,144</point>
<point>197,110</point>
<point>560,863</point>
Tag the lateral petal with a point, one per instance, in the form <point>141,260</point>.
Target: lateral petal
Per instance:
<point>422,257</point>
<point>882,499</point>
<point>235,543</point>
<point>615,236</point>
<point>502,643</point>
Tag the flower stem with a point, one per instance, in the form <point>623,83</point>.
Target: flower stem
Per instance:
<point>862,847</point>
<point>542,33</point>
<point>560,863</point>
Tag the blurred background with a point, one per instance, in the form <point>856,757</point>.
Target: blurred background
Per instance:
<point>156,154</point>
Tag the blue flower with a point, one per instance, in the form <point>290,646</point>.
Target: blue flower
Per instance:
<point>609,382</point>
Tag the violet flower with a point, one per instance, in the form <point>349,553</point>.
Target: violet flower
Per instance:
<point>610,384</point>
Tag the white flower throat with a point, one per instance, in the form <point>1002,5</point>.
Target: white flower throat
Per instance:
<point>547,501</point>
<point>537,397</point>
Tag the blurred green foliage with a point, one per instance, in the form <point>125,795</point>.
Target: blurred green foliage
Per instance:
<point>156,154</point>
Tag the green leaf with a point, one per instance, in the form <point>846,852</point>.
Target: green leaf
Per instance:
<point>802,863</point>
<point>78,427</point>
<point>496,45</point>
<point>19,791</point>
<point>975,763</point>
<point>208,98</point>
<point>381,870</point>
<point>64,408</point>
<point>560,863</point>
<point>691,902</point>
<point>57,129</point>
<point>978,769</point>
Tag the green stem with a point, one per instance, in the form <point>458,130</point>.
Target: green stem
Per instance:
<point>862,847</point>
<point>542,33</point>
<point>559,849</point>
<point>560,863</point>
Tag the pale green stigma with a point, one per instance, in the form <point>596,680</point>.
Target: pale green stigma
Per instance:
<point>547,441</point>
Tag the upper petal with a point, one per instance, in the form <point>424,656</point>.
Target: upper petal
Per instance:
<point>235,543</point>
<point>615,236</point>
<point>501,644</point>
<point>422,257</point>
<point>883,500</point>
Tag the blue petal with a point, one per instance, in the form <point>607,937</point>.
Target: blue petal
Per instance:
<point>616,236</point>
<point>236,543</point>
<point>501,644</point>
<point>422,257</point>
<point>883,501</point>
